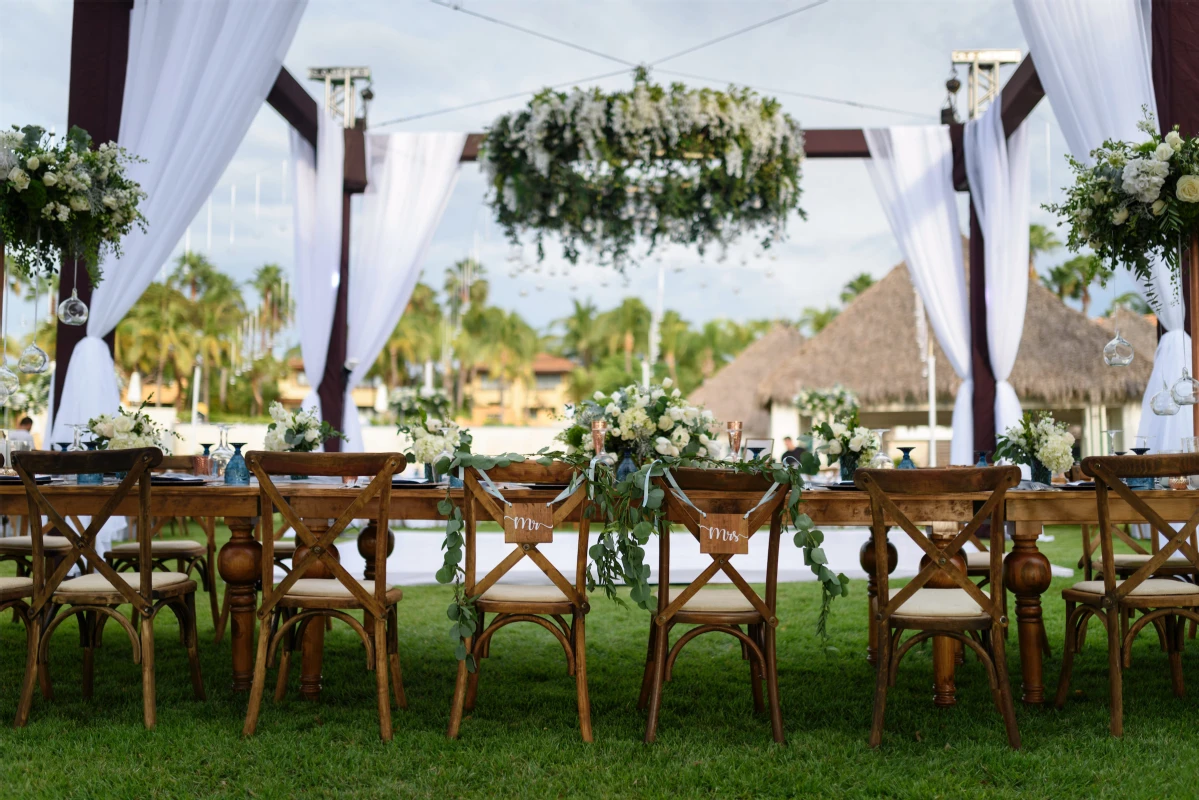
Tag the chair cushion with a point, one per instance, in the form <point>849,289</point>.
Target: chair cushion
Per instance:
<point>8,586</point>
<point>725,601</point>
<point>940,603</point>
<point>285,547</point>
<point>24,544</point>
<point>331,587</point>
<point>516,593</point>
<point>160,547</point>
<point>1150,587</point>
<point>98,584</point>
<point>977,560</point>
<point>1137,559</point>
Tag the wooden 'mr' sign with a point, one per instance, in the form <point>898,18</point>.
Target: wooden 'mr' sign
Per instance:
<point>528,523</point>
<point>724,533</point>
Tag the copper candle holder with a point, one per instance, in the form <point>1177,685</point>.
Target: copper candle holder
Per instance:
<point>599,434</point>
<point>734,432</point>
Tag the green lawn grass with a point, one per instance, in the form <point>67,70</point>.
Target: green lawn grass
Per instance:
<point>523,738</point>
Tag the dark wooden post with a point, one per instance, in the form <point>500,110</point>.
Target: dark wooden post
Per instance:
<point>99,53</point>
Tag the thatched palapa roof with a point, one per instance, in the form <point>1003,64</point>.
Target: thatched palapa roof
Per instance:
<point>732,392</point>
<point>871,348</point>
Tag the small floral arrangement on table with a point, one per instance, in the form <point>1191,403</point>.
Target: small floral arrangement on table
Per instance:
<point>1137,202</point>
<point>59,198</point>
<point>409,401</point>
<point>297,432</point>
<point>826,404</point>
<point>845,440</point>
<point>435,439</point>
<point>648,422</point>
<point>126,431</point>
<point>1040,442</point>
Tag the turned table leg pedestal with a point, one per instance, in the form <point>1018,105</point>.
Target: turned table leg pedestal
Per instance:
<point>240,565</point>
<point>1027,575</point>
<point>866,559</point>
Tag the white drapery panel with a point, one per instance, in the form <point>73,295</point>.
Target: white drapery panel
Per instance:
<point>197,74</point>
<point>410,177</point>
<point>997,168</point>
<point>912,171</point>
<point>1094,61</point>
<point>317,180</point>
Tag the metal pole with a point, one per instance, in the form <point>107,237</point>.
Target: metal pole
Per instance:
<point>1194,303</point>
<point>931,361</point>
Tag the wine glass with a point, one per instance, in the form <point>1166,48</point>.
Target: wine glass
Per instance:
<point>1111,441</point>
<point>223,452</point>
<point>73,311</point>
<point>880,460</point>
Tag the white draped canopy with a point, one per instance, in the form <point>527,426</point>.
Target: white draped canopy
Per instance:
<point>409,180</point>
<point>197,74</point>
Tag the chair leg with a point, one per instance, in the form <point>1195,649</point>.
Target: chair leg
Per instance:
<point>459,700</point>
<point>87,638</point>
<point>661,645</point>
<point>259,682</point>
<point>757,672</point>
<point>1174,631</point>
<point>771,669</point>
<point>193,649</point>
<point>32,667</point>
<point>1074,633</point>
<point>1007,708</point>
<point>1046,650</point>
<point>288,643</point>
<point>210,587</point>
<point>1115,666</point>
<point>647,675</point>
<point>223,619</point>
<point>882,679</point>
<point>149,700</point>
<point>1124,619</point>
<point>393,657</point>
<point>580,636</point>
<point>383,694</point>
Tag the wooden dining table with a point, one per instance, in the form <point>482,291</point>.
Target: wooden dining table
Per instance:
<point>1027,572</point>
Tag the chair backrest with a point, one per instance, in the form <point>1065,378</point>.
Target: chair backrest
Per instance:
<point>1108,472</point>
<point>267,465</point>
<point>722,509</point>
<point>883,485</point>
<point>526,522</point>
<point>136,464</point>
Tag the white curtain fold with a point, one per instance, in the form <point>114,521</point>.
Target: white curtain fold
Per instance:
<point>317,181</point>
<point>197,74</point>
<point>998,169</point>
<point>410,177</point>
<point>912,171</point>
<point>1097,70</point>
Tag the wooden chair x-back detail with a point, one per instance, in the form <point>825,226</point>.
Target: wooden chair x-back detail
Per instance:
<point>527,520</point>
<point>1163,601</point>
<point>94,598</point>
<point>727,510</point>
<point>289,607</point>
<point>977,619</point>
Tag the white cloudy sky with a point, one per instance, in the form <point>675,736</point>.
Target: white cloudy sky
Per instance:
<point>427,57</point>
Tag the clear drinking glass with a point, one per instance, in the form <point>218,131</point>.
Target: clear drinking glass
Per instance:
<point>223,452</point>
<point>1190,444</point>
<point>1111,441</point>
<point>880,460</point>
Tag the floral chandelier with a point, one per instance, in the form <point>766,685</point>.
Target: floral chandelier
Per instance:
<point>604,172</point>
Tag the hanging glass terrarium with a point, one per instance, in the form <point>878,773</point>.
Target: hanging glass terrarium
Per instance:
<point>1162,404</point>
<point>1118,352</point>
<point>1185,390</point>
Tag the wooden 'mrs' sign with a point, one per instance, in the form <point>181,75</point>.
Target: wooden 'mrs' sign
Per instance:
<point>528,523</point>
<point>724,533</point>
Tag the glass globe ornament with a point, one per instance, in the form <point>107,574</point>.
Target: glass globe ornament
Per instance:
<point>73,311</point>
<point>33,360</point>
<point>1118,352</point>
<point>1185,390</point>
<point>8,382</point>
<point>1162,404</point>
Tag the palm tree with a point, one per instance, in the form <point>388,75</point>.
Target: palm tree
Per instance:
<point>580,337</point>
<point>1130,301</point>
<point>1040,240</point>
<point>673,332</point>
<point>465,286</point>
<point>626,327</point>
<point>857,284</point>
<point>814,320</point>
<point>193,272</point>
<point>277,306</point>
<point>1072,280</point>
<point>416,338</point>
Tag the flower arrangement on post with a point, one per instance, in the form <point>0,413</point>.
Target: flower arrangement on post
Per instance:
<point>408,402</point>
<point>1040,442</point>
<point>1137,202</point>
<point>685,166</point>
<point>646,423</point>
<point>826,404</point>
<point>847,442</point>
<point>125,431</point>
<point>58,197</point>
<point>298,432</point>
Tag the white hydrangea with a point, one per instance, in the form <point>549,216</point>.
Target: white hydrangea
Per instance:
<point>1143,178</point>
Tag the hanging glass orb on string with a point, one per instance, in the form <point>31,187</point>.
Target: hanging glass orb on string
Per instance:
<point>8,383</point>
<point>1185,390</point>
<point>34,360</point>
<point>1118,352</point>
<point>73,311</point>
<point>1162,404</point>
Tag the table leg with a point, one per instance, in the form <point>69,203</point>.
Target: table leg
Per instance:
<point>866,559</point>
<point>366,548</point>
<point>1027,576</point>
<point>313,646</point>
<point>240,564</point>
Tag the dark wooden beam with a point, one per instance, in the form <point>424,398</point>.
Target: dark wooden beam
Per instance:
<point>835,143</point>
<point>99,53</point>
<point>470,151</point>
<point>1021,94</point>
<point>295,105</point>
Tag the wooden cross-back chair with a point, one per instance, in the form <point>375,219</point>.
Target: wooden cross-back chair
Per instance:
<point>547,606</point>
<point>96,597</point>
<point>188,556</point>
<point>722,510</point>
<point>1162,601</point>
<point>974,617</point>
<point>288,608</point>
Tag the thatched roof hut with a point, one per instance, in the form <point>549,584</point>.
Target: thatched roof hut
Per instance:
<point>871,348</point>
<point>732,393</point>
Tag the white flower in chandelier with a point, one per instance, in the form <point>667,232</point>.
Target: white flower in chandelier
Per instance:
<point>110,201</point>
<point>19,178</point>
<point>33,162</point>
<point>1174,140</point>
<point>1120,216</point>
<point>1187,189</point>
<point>1144,177</point>
<point>1158,207</point>
<point>79,203</point>
<point>50,179</point>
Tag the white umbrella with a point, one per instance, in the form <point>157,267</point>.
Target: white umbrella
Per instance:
<point>133,395</point>
<point>381,398</point>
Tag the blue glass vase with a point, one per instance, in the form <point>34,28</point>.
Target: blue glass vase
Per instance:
<point>236,471</point>
<point>906,462</point>
<point>90,478</point>
<point>1040,472</point>
<point>980,458</point>
<point>626,467</point>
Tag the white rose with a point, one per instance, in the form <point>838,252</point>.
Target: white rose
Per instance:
<point>1163,152</point>
<point>1174,140</point>
<point>50,179</point>
<point>690,413</point>
<point>674,451</point>
<point>675,413</point>
<point>703,439</point>
<point>122,424</point>
<point>612,410</point>
<point>274,441</point>
<point>110,201</point>
<point>19,179</point>
<point>599,397</point>
<point>665,423</point>
<point>662,446</point>
<point>708,416</point>
<point>667,383</point>
<point>33,163</point>
<point>701,453</point>
<point>656,393</point>
<point>1120,216</point>
<point>310,435</point>
<point>680,437</point>
<point>838,429</point>
<point>856,442</point>
<point>1158,207</point>
<point>106,429</point>
<point>834,448</point>
<point>79,203</point>
<point>674,393</point>
<point>1187,189</point>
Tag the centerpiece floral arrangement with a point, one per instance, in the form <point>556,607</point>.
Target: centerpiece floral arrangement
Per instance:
<point>845,440</point>
<point>126,430</point>
<point>409,401</point>
<point>434,438</point>
<point>58,197</point>
<point>826,404</point>
<point>1040,442</point>
<point>297,432</point>
<point>678,165</point>
<point>1136,202</point>
<point>647,422</point>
